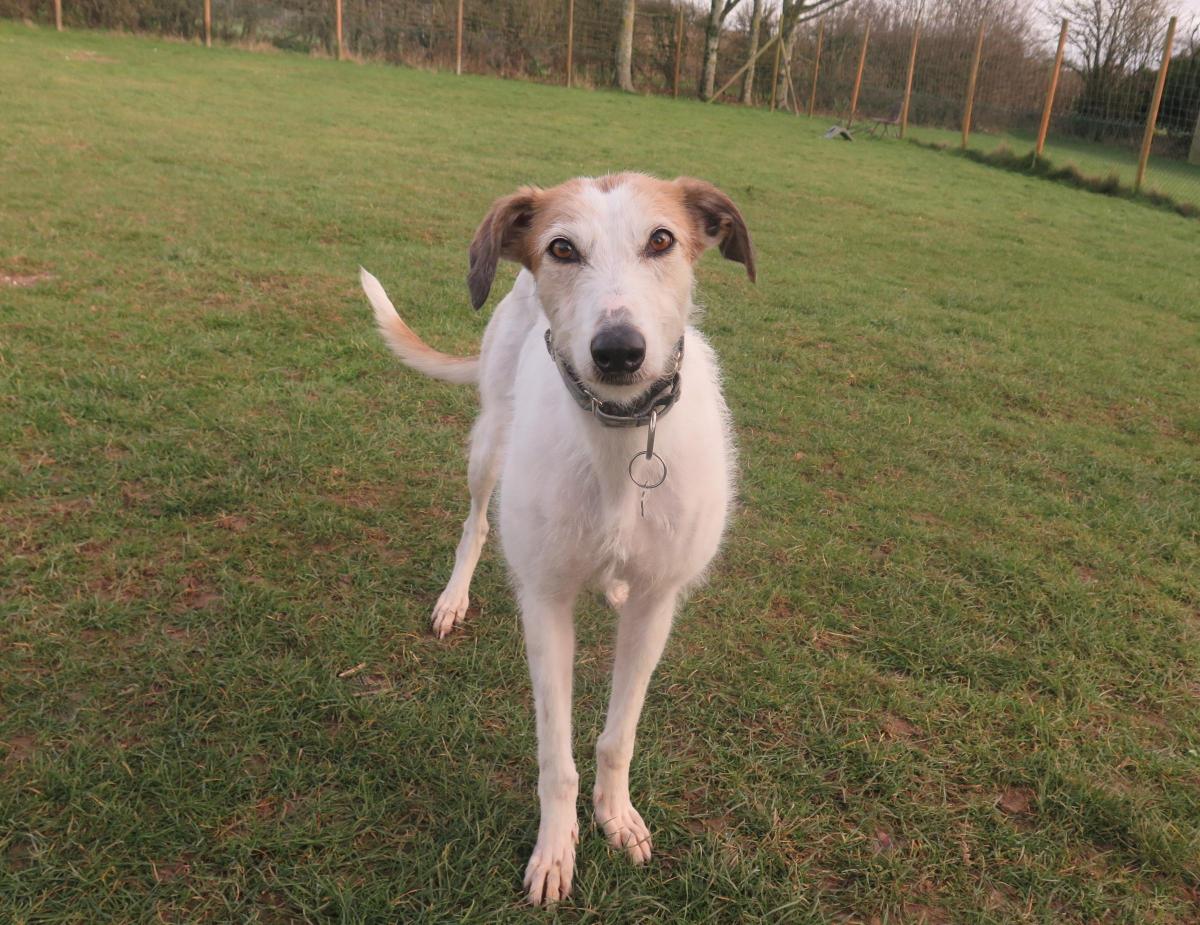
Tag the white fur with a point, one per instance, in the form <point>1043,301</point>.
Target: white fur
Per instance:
<point>569,513</point>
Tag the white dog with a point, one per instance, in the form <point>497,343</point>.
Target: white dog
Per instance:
<point>602,417</point>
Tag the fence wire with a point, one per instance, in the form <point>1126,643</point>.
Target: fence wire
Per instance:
<point>1098,122</point>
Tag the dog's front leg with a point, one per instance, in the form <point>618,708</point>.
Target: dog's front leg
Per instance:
<point>550,645</point>
<point>642,634</point>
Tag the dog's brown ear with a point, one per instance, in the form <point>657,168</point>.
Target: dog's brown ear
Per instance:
<point>501,234</point>
<point>718,221</point>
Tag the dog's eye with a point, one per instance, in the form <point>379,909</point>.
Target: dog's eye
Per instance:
<point>562,249</point>
<point>661,241</point>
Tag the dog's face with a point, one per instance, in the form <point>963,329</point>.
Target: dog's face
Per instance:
<point>613,261</point>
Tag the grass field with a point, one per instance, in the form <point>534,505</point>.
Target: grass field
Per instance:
<point>948,668</point>
<point>1175,178</point>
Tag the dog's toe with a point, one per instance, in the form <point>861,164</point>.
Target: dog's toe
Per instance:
<point>550,870</point>
<point>450,610</point>
<point>624,829</point>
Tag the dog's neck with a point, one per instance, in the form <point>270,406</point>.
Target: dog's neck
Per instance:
<point>657,400</point>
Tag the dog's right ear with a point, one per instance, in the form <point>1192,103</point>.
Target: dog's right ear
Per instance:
<point>502,233</point>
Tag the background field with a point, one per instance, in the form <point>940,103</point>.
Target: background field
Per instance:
<point>948,669</point>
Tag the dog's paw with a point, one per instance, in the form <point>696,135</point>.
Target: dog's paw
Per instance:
<point>450,610</point>
<point>551,867</point>
<point>623,827</point>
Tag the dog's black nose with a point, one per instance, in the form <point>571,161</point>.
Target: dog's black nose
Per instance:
<point>619,349</point>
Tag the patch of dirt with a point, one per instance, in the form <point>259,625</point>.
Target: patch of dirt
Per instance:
<point>883,551</point>
<point>234,523</point>
<point>1016,801</point>
<point>90,56</point>
<point>196,595</point>
<point>18,749</point>
<point>714,824</point>
<point>921,914</point>
<point>23,280</point>
<point>899,729</point>
<point>166,871</point>
<point>883,843</point>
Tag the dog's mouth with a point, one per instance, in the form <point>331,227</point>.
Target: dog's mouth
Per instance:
<point>617,380</point>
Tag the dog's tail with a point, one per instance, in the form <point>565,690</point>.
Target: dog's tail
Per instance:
<point>414,352</point>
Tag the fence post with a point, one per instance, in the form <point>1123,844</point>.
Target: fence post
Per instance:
<point>912,65</point>
<point>58,15</point>
<point>787,72</point>
<point>207,23</point>
<point>775,68</point>
<point>862,62</point>
<point>341,49</point>
<point>1152,116</point>
<point>1050,91</point>
<point>1194,152</point>
<point>970,106</point>
<point>678,52</point>
<point>458,29</point>
<point>570,39</point>
<point>812,97</point>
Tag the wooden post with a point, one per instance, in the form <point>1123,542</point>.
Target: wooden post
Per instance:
<point>970,106</point>
<point>812,97</point>
<point>58,15</point>
<point>1194,151</point>
<point>1050,91</point>
<point>862,62</point>
<point>912,66</point>
<point>341,48</point>
<point>775,69</point>
<point>1152,116</point>
<point>207,23</point>
<point>787,72</point>
<point>678,52</point>
<point>570,40</point>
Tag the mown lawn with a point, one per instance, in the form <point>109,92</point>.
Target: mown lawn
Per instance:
<point>1165,176</point>
<point>948,669</point>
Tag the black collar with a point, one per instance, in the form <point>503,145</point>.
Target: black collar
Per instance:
<point>659,398</point>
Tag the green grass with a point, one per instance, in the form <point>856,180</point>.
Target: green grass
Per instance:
<point>948,667</point>
<point>1164,176</point>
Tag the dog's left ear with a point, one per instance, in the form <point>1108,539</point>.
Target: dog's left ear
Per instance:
<point>501,234</point>
<point>718,221</point>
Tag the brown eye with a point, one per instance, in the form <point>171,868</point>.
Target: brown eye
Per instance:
<point>562,249</point>
<point>661,241</point>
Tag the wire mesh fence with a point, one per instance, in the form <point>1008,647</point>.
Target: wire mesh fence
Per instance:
<point>977,77</point>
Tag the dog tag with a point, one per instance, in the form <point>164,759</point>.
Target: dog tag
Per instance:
<point>647,470</point>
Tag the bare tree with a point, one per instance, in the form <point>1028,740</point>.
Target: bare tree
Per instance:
<point>1112,41</point>
<point>755,28</point>
<point>625,46</point>
<point>791,14</point>
<point>718,12</point>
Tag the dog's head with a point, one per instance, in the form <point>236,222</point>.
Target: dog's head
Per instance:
<point>613,260</point>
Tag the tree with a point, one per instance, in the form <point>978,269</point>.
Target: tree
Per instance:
<point>625,46</point>
<point>791,14</point>
<point>1112,40</point>
<point>717,14</point>
<point>755,28</point>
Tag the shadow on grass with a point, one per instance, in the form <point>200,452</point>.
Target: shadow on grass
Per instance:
<point>1110,185</point>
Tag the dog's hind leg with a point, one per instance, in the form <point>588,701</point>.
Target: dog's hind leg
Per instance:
<point>487,450</point>
<point>642,633</point>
